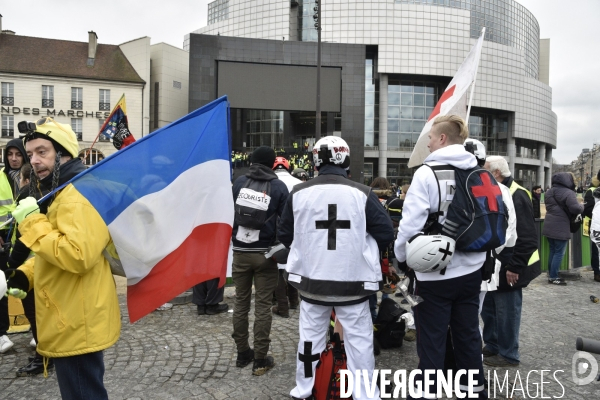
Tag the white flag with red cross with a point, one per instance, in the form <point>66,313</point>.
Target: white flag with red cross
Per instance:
<point>453,101</point>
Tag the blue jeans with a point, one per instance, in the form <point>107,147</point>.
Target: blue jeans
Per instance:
<point>557,251</point>
<point>501,315</point>
<point>81,377</point>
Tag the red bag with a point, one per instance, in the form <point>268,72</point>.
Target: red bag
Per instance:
<point>327,375</point>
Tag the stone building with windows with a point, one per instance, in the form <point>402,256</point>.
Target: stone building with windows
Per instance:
<point>79,83</point>
<point>410,50</point>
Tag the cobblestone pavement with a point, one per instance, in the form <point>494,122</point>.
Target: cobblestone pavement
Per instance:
<point>177,354</point>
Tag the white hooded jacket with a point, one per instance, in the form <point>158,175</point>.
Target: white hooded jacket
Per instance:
<point>422,199</point>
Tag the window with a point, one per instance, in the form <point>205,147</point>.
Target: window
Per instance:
<point>104,100</point>
<point>47,96</point>
<point>218,10</point>
<point>76,125</point>
<point>8,126</point>
<point>8,94</point>
<point>177,84</point>
<point>102,138</point>
<point>91,156</point>
<point>76,98</point>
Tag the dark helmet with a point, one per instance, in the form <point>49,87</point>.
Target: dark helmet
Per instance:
<point>300,174</point>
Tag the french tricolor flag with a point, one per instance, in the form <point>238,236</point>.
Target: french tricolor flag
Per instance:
<point>167,202</point>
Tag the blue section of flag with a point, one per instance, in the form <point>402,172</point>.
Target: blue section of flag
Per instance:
<point>153,162</point>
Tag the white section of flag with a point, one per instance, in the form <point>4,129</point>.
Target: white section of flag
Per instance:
<point>465,75</point>
<point>200,195</point>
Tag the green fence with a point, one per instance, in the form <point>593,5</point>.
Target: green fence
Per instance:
<point>581,254</point>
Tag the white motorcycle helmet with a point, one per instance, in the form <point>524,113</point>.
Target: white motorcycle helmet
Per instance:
<point>476,148</point>
<point>429,253</point>
<point>331,150</point>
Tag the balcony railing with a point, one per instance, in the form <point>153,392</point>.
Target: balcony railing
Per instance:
<point>104,107</point>
<point>76,105</point>
<point>47,102</point>
<point>8,101</point>
<point>8,132</point>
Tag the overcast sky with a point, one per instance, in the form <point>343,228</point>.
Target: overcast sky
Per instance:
<point>573,27</point>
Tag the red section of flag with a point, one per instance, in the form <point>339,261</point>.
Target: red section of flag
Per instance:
<point>127,141</point>
<point>194,259</point>
<point>447,94</point>
<point>489,190</point>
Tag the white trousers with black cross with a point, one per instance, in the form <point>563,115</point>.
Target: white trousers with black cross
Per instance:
<point>358,343</point>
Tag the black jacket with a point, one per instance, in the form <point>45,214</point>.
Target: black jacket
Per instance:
<point>279,194</point>
<point>515,259</point>
<point>561,205</point>
<point>588,199</point>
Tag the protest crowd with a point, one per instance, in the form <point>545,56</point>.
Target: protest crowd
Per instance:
<point>305,236</point>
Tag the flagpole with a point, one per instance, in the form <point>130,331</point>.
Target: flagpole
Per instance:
<point>87,153</point>
<point>474,80</point>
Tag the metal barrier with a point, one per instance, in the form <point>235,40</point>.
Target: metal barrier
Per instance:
<point>578,249</point>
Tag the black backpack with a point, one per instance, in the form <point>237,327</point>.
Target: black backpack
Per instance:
<point>252,204</point>
<point>477,217</point>
<point>389,332</point>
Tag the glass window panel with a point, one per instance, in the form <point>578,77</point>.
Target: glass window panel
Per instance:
<point>393,139</point>
<point>430,101</point>
<point>419,88</point>
<point>369,112</point>
<point>428,112</point>
<point>394,99</point>
<point>407,99</point>
<point>407,112</point>
<point>405,126</point>
<point>393,125</point>
<point>406,140</point>
<point>369,125</point>
<point>370,98</point>
<point>417,126</point>
<point>429,90</point>
<point>393,112</point>
<point>415,137</point>
<point>369,139</point>
<point>419,100</point>
<point>419,113</point>
<point>394,88</point>
<point>406,87</point>
<point>369,85</point>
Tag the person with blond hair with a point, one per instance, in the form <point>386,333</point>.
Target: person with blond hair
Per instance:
<point>450,298</point>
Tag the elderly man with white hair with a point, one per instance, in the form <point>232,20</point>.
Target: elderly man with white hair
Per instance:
<point>520,264</point>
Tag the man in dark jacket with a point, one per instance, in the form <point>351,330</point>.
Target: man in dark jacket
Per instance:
<point>501,313</point>
<point>335,229</point>
<point>588,207</point>
<point>14,158</point>
<point>536,194</point>
<point>250,264</point>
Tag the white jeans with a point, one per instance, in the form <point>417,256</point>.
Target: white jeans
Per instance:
<point>358,342</point>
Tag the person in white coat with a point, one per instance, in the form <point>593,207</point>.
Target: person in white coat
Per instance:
<point>450,299</point>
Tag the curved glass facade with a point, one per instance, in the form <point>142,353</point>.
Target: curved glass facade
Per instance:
<point>409,105</point>
<point>506,21</point>
<point>306,24</point>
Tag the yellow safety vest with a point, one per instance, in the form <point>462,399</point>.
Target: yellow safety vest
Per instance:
<point>7,202</point>
<point>587,220</point>
<point>514,186</point>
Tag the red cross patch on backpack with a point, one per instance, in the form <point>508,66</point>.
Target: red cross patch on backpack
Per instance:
<point>476,218</point>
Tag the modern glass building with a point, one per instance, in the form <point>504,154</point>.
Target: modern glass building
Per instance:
<point>412,49</point>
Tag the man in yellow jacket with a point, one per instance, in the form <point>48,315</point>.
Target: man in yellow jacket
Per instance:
<point>77,308</point>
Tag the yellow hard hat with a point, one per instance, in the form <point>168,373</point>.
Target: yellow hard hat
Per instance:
<point>60,133</point>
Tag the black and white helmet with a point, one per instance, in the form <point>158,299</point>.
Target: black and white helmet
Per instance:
<point>331,150</point>
<point>429,253</point>
<point>476,148</point>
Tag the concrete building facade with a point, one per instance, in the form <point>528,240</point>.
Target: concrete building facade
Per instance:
<point>412,50</point>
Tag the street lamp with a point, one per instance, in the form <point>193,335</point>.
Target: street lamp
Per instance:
<point>317,18</point>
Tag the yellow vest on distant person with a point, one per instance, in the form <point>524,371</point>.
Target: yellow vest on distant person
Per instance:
<point>7,202</point>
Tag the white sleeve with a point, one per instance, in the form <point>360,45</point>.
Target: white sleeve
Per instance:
<point>414,211</point>
<point>2,284</point>
<point>595,224</point>
<point>511,231</point>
